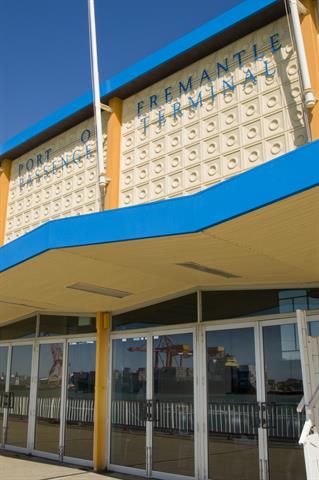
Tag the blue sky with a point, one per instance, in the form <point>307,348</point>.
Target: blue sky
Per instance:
<point>44,47</point>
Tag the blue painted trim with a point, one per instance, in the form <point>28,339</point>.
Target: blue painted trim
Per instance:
<point>209,30</point>
<point>285,176</point>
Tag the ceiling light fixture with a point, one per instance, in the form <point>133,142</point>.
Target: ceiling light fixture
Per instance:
<point>108,292</point>
<point>204,269</point>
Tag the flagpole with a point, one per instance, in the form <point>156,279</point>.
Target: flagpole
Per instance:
<point>97,103</point>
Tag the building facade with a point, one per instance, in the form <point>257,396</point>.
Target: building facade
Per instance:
<point>151,328</point>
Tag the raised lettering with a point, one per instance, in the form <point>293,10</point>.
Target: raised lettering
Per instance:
<point>184,88</point>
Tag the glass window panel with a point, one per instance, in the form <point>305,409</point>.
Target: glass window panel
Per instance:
<point>172,312</point>
<point>51,325</point>
<point>313,302</point>
<point>284,390</point>
<point>128,418</point>
<point>301,303</point>
<point>20,381</point>
<point>313,328</point>
<point>289,338</point>
<point>291,293</point>
<point>286,305</point>
<point>232,405</point>
<point>49,397</point>
<point>80,400</point>
<point>173,404</point>
<point>246,303</point>
<point>3,377</point>
<point>22,329</point>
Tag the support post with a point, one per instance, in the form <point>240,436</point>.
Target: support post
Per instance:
<point>310,35</point>
<point>101,381</point>
<point>5,173</point>
<point>113,154</point>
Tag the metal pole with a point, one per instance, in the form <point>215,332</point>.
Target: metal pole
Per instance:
<point>97,102</point>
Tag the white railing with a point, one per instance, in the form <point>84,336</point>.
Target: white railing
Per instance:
<point>81,411</point>
<point>283,420</point>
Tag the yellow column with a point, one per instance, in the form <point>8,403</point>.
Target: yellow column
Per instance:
<point>310,35</point>
<point>113,154</point>
<point>5,172</point>
<point>101,377</point>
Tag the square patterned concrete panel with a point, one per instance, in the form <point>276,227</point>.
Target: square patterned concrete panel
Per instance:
<point>57,179</point>
<point>229,112</point>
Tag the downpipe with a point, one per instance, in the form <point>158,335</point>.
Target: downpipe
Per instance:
<point>309,98</point>
<point>103,181</point>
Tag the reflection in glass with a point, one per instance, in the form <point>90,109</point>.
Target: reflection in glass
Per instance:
<point>3,377</point>
<point>313,328</point>
<point>51,325</point>
<point>173,404</point>
<point>247,303</point>
<point>128,417</point>
<point>49,398</point>
<point>20,379</point>
<point>22,329</point>
<point>172,312</point>
<point>80,400</point>
<point>232,407</point>
<point>284,391</point>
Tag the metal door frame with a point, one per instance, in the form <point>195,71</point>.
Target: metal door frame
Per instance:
<point>11,345</point>
<point>33,414</point>
<point>261,359</point>
<point>148,336</point>
<point>68,459</point>
<point>35,344</point>
<point>112,466</point>
<point>5,410</point>
<point>253,324</point>
<point>268,323</point>
<point>157,333</point>
<point>200,384</point>
<point>65,341</point>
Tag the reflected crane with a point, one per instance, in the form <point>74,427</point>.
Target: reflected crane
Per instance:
<point>167,347</point>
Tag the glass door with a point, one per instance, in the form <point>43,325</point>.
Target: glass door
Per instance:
<point>172,404</point>
<point>152,405</point>
<point>48,399</point>
<point>3,397</point>
<point>46,403</point>
<point>18,396</point>
<point>283,392</point>
<point>79,411</point>
<point>128,404</point>
<point>232,404</point>
<point>62,425</point>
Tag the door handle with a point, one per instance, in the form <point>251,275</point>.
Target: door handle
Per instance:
<point>11,400</point>
<point>5,400</point>
<point>143,410</point>
<point>257,416</point>
<point>268,415</point>
<point>155,418</point>
<point>149,410</point>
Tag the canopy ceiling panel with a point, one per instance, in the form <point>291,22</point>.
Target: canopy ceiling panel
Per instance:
<point>272,246</point>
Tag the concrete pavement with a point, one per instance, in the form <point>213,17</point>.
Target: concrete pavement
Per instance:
<point>13,467</point>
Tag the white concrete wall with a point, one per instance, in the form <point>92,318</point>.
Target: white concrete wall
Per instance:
<point>44,187</point>
<point>237,131</point>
